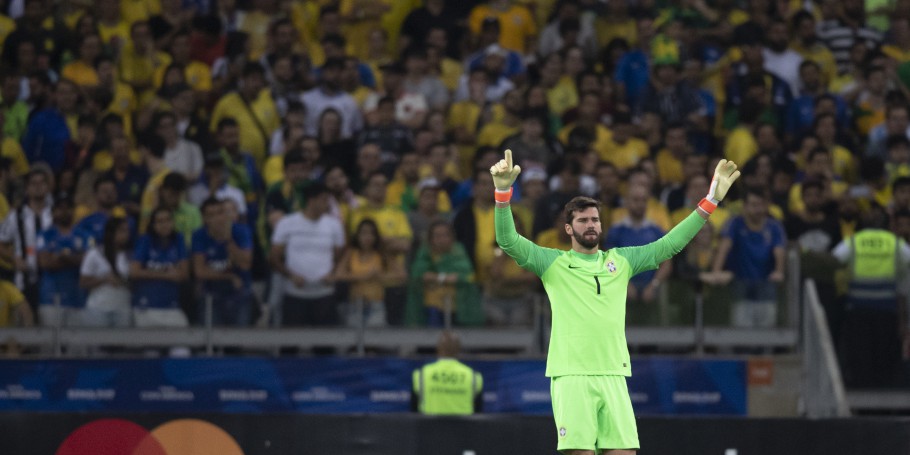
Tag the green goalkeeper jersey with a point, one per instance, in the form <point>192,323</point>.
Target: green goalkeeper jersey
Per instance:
<point>588,294</point>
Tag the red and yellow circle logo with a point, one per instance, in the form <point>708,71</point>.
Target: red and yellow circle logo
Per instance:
<point>122,437</point>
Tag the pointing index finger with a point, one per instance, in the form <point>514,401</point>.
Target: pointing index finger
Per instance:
<point>509,159</point>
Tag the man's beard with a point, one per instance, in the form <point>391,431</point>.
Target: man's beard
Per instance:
<point>583,240</point>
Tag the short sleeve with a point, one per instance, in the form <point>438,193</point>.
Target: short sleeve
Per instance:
<point>141,251</point>
<point>727,230</point>
<point>44,242</point>
<point>182,253</point>
<point>338,235</point>
<point>242,236</point>
<point>779,237</point>
<point>200,241</point>
<point>91,265</point>
<point>280,236</point>
<point>8,228</point>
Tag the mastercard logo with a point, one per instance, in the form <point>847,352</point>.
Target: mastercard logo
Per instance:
<point>122,437</point>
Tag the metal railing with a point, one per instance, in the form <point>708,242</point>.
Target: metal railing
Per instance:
<point>532,340</point>
<point>823,389</point>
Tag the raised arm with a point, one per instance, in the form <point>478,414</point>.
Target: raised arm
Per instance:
<point>525,252</point>
<point>649,257</point>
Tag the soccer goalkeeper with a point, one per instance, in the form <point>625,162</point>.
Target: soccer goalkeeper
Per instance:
<point>588,360</point>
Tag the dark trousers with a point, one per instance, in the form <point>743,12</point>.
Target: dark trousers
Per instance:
<point>297,311</point>
<point>871,348</point>
<point>228,308</point>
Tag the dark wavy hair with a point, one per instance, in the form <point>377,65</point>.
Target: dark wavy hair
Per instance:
<point>109,243</point>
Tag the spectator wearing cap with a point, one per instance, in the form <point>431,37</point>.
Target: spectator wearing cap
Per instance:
<point>214,184</point>
<point>60,251</point>
<point>330,95</point>
<point>172,196</point>
<point>517,27</point>
<point>222,255</point>
<point>305,248</point>
<point>253,108</point>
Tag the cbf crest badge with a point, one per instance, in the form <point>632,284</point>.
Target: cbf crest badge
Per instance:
<point>611,267</point>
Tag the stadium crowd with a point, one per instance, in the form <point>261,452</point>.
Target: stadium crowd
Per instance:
<point>320,162</point>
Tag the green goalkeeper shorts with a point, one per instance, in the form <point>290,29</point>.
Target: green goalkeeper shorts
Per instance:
<point>593,413</point>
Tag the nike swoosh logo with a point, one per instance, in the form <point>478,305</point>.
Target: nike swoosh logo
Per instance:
<point>574,267</point>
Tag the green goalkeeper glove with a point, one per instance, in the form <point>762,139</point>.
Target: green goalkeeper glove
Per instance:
<point>724,176</point>
<point>504,173</point>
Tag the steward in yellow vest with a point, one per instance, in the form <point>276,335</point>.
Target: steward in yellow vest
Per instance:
<point>874,320</point>
<point>447,386</point>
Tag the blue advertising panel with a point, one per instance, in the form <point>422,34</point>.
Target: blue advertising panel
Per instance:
<point>338,385</point>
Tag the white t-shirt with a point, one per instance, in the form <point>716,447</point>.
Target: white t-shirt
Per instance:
<point>309,251</point>
<point>185,158</point>
<point>106,296</point>
<point>784,65</point>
